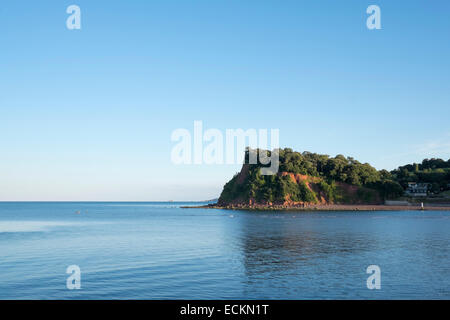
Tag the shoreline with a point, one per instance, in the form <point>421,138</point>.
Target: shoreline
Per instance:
<point>329,207</point>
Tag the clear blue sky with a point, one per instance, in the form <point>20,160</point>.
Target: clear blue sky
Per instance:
<point>87,114</point>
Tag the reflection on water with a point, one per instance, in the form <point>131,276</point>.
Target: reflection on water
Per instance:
<point>160,251</point>
<point>283,243</point>
<point>321,255</point>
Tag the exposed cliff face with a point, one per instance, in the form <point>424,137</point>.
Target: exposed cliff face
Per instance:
<point>312,183</point>
<point>286,189</point>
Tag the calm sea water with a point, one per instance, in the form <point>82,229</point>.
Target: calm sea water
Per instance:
<point>161,251</point>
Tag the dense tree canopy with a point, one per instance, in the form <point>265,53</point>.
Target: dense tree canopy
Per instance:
<point>339,168</point>
<point>433,171</point>
<point>329,170</point>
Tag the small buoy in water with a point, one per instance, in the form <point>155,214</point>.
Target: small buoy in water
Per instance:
<point>77,212</point>
<point>231,216</point>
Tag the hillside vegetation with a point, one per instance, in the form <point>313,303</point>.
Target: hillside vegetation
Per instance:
<point>433,171</point>
<point>310,178</point>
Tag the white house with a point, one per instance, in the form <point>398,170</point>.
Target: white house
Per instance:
<point>417,189</point>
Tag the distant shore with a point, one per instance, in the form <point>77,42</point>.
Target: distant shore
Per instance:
<point>329,207</point>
